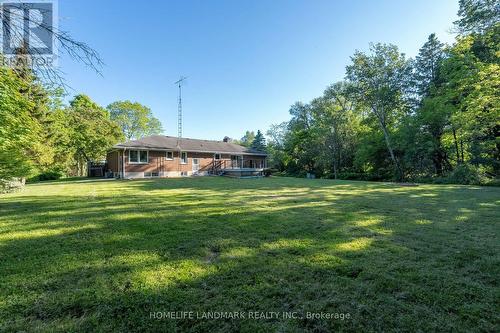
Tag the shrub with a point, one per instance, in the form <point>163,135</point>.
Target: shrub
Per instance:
<point>464,174</point>
<point>361,176</point>
<point>284,174</point>
<point>47,175</point>
<point>269,172</point>
<point>349,176</point>
<point>491,182</point>
<point>11,185</point>
<point>437,180</point>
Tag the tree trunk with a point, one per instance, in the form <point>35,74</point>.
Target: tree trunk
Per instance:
<point>339,161</point>
<point>456,146</point>
<point>462,150</point>
<point>438,162</point>
<point>333,150</point>
<point>399,173</point>
<point>438,154</point>
<point>381,119</point>
<point>334,168</point>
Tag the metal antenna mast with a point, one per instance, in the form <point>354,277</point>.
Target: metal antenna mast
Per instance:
<point>179,108</point>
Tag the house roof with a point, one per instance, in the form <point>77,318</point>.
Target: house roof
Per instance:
<point>185,144</point>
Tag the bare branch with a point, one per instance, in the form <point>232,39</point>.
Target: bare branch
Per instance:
<point>65,44</point>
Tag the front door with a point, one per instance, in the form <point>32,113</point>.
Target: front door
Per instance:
<point>196,165</point>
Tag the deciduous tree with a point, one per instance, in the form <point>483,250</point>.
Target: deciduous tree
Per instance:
<point>380,81</point>
<point>135,119</point>
<point>93,131</point>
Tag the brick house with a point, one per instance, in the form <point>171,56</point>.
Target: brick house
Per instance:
<point>167,156</point>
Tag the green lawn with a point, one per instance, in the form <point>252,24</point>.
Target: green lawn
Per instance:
<point>103,255</point>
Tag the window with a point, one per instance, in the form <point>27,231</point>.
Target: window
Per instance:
<point>235,161</point>
<point>143,156</point>
<point>138,156</point>
<point>217,156</point>
<point>169,155</point>
<point>184,157</point>
<point>151,174</point>
<point>133,156</point>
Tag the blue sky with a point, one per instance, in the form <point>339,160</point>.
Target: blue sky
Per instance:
<point>247,61</point>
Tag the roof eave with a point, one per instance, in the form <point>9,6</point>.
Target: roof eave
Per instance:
<point>190,150</point>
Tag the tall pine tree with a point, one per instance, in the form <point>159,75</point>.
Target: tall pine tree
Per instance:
<point>427,66</point>
<point>476,16</point>
<point>259,142</point>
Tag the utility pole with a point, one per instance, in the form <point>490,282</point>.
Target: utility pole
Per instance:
<point>179,108</point>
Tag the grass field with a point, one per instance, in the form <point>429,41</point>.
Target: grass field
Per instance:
<point>104,255</point>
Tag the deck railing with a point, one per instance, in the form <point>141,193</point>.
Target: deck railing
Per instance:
<point>217,166</point>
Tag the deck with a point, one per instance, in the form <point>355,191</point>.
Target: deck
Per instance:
<point>243,172</point>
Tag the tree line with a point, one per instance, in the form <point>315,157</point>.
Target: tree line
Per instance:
<point>432,118</point>
<point>255,141</point>
<point>41,137</point>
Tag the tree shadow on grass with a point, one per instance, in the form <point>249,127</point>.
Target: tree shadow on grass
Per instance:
<point>424,258</point>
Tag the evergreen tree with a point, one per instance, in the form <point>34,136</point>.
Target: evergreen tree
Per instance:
<point>476,16</point>
<point>259,142</point>
<point>432,115</point>
<point>427,66</point>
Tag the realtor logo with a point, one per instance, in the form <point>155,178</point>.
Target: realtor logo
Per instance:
<point>28,29</point>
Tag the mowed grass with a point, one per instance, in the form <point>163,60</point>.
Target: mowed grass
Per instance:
<point>102,255</point>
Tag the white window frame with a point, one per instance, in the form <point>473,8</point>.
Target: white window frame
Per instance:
<point>182,159</point>
<point>215,156</point>
<point>149,174</point>
<point>138,156</point>
<point>169,158</point>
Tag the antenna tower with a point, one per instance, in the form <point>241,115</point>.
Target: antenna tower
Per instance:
<point>179,83</point>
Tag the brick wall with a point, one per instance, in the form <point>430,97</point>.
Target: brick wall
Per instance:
<point>158,162</point>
